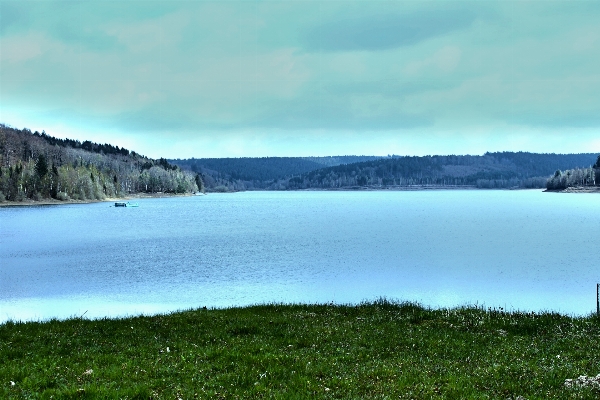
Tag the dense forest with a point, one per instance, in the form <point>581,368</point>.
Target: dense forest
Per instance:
<point>491,170</point>
<point>37,166</point>
<point>577,177</point>
<point>246,173</point>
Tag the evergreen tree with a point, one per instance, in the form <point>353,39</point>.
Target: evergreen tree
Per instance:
<point>199,183</point>
<point>41,166</point>
<point>597,171</point>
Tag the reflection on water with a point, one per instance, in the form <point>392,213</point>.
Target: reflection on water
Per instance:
<point>524,250</point>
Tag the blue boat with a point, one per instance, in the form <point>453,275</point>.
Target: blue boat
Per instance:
<point>123,204</point>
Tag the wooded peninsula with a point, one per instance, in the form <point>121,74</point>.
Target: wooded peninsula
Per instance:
<point>36,166</point>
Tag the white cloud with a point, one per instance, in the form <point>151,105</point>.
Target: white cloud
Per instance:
<point>18,49</point>
<point>150,35</point>
<point>445,60</point>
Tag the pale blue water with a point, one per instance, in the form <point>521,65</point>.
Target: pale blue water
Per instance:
<point>524,250</point>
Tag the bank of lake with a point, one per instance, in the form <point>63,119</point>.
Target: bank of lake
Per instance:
<point>376,350</point>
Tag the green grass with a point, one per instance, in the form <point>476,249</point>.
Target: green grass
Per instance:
<point>378,350</point>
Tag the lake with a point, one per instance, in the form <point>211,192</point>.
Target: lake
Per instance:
<point>519,250</point>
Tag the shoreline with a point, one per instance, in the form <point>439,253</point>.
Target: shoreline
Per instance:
<point>54,202</point>
<point>390,188</point>
<point>306,351</point>
<point>579,189</point>
<point>377,189</point>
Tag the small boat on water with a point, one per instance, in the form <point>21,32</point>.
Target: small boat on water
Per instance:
<point>125,204</point>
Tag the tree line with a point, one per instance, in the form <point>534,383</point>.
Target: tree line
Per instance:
<point>76,144</point>
<point>491,170</point>
<point>265,173</point>
<point>38,166</point>
<point>577,177</point>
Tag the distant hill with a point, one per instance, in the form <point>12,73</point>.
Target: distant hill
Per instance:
<point>260,172</point>
<point>332,161</point>
<point>37,166</point>
<point>491,170</point>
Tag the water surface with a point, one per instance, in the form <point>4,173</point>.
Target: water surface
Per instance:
<point>525,250</point>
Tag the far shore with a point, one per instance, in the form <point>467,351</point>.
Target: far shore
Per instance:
<point>132,196</point>
<point>580,189</point>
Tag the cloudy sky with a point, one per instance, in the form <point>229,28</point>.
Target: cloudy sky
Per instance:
<point>183,79</point>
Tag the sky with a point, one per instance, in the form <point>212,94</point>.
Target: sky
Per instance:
<point>182,79</point>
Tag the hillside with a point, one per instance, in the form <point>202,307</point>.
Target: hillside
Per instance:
<point>491,170</point>
<point>246,173</point>
<point>37,166</point>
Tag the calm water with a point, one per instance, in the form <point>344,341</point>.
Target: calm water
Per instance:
<point>523,250</point>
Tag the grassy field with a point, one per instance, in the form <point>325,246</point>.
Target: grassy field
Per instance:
<point>379,350</point>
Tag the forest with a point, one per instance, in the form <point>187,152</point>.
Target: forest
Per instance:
<point>492,170</point>
<point>577,177</point>
<point>489,171</point>
<point>37,166</point>
<point>247,173</point>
